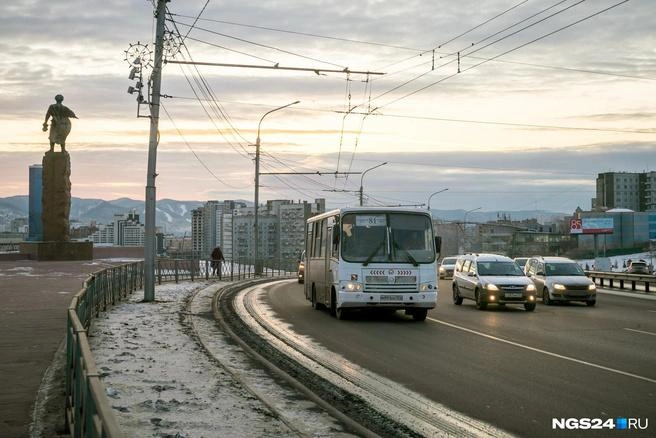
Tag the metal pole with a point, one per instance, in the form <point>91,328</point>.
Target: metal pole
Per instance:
<point>256,229</point>
<point>149,238</point>
<point>433,194</point>
<point>362,178</point>
<point>464,228</point>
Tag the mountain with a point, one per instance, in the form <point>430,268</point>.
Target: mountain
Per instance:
<point>173,216</point>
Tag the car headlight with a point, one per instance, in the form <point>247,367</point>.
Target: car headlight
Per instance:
<point>426,287</point>
<point>530,288</point>
<point>558,286</point>
<point>442,269</point>
<point>592,287</point>
<point>351,286</point>
<point>491,287</point>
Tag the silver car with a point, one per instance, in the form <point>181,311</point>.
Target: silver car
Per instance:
<point>492,279</point>
<point>561,279</point>
<point>446,267</point>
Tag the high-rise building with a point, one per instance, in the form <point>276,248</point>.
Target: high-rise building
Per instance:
<point>633,191</point>
<point>212,225</point>
<point>35,229</point>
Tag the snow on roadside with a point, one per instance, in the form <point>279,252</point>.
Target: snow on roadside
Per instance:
<point>161,383</point>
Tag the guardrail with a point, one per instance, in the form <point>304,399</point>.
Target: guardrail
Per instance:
<point>622,280</point>
<point>87,409</point>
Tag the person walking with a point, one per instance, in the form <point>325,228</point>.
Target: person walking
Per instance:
<point>217,258</point>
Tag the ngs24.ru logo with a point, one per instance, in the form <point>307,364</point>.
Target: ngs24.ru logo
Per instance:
<point>620,423</point>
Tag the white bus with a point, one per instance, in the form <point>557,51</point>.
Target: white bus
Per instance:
<point>372,257</point>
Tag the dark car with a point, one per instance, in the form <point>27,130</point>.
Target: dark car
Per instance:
<point>560,279</point>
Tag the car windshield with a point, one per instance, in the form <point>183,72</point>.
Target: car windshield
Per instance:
<point>564,269</point>
<point>387,237</point>
<point>449,260</point>
<point>499,268</point>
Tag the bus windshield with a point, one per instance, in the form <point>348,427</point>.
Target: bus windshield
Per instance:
<point>387,237</point>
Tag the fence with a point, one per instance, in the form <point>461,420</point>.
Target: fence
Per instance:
<point>88,412</point>
<point>622,280</point>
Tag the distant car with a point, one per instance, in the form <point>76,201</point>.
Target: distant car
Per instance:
<point>446,267</point>
<point>561,279</point>
<point>638,267</point>
<point>492,279</point>
<point>521,261</point>
<point>301,268</point>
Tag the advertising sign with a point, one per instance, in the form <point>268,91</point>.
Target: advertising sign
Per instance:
<point>591,225</point>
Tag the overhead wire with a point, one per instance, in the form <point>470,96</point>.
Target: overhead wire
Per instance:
<point>505,53</point>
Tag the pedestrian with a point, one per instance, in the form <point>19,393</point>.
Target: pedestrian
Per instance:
<point>217,258</point>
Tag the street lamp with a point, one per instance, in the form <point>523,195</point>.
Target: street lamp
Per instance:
<point>464,227</point>
<point>433,194</point>
<point>258,268</point>
<point>362,177</point>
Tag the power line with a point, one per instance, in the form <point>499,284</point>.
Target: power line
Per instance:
<point>506,52</point>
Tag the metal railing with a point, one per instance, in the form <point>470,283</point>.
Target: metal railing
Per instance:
<point>622,280</point>
<point>88,412</point>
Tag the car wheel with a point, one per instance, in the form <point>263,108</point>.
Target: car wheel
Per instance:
<point>545,297</point>
<point>480,304</point>
<point>457,299</point>
<point>591,303</point>
<point>419,314</point>
<point>529,307</point>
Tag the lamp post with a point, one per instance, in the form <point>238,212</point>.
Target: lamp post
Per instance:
<point>433,194</point>
<point>464,227</point>
<point>258,268</point>
<point>362,177</point>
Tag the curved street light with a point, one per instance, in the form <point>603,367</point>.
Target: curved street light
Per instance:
<point>362,177</point>
<point>433,194</point>
<point>258,268</point>
<point>464,227</point>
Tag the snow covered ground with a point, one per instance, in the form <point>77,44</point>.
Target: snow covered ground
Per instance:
<point>161,381</point>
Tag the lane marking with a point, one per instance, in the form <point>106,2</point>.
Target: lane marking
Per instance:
<point>538,350</point>
<point>640,331</point>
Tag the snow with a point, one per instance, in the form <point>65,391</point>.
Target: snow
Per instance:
<point>618,263</point>
<point>161,381</point>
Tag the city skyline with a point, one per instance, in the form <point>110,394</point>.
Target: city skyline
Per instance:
<point>516,129</point>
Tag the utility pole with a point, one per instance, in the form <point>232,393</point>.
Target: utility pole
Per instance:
<point>362,177</point>
<point>149,238</point>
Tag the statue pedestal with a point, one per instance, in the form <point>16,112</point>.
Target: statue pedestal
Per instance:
<point>57,251</point>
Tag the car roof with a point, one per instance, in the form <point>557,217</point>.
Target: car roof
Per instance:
<point>554,259</point>
<point>487,257</point>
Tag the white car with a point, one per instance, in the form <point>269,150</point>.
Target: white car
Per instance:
<point>446,267</point>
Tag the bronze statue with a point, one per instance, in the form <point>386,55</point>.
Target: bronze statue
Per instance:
<point>60,126</point>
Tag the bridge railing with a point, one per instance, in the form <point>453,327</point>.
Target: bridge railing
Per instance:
<point>87,409</point>
<point>622,280</point>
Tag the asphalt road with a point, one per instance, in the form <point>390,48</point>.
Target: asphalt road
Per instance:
<point>517,370</point>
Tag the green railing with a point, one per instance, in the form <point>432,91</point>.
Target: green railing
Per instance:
<point>88,412</point>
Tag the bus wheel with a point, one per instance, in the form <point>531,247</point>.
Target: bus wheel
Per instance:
<point>333,302</point>
<point>315,305</point>
<point>419,314</point>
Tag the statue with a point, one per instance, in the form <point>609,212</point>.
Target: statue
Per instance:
<point>60,126</point>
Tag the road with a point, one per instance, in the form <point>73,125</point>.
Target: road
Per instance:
<point>514,369</point>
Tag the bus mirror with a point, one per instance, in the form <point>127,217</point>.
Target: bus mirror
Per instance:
<point>438,244</point>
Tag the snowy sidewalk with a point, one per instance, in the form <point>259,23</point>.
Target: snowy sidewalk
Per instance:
<point>161,382</point>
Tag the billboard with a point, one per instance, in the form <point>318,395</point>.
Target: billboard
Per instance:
<point>591,225</point>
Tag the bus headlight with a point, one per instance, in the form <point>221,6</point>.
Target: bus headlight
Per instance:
<point>351,286</point>
<point>427,287</point>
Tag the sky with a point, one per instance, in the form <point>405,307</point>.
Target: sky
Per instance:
<point>508,104</point>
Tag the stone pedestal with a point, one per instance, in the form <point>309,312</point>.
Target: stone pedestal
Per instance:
<point>56,196</point>
<point>57,251</point>
<point>56,203</point>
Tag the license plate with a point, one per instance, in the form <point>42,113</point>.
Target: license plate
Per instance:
<point>391,298</point>
<point>513,294</point>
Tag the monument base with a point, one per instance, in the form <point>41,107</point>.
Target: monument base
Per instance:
<point>57,251</point>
